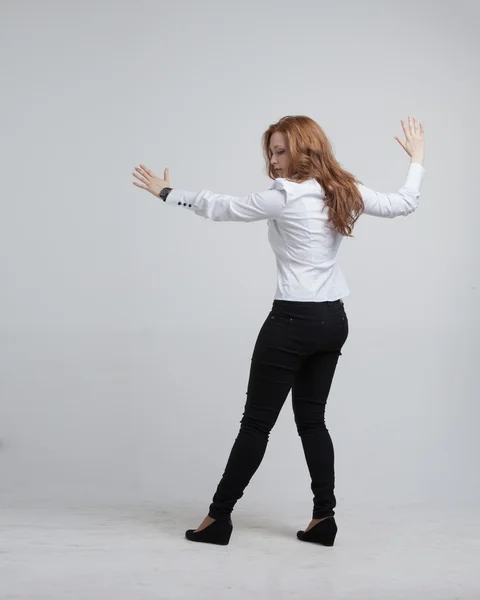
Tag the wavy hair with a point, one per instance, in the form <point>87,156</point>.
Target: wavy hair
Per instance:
<point>311,157</point>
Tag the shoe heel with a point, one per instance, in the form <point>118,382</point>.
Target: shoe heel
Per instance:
<point>323,533</point>
<point>219,533</point>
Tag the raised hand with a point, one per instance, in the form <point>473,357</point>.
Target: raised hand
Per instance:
<point>414,144</point>
<point>151,182</point>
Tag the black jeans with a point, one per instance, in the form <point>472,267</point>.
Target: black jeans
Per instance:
<point>297,349</point>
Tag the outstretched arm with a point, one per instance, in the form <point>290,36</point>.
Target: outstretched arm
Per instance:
<point>393,204</point>
<point>217,207</point>
<point>220,207</point>
<point>406,200</point>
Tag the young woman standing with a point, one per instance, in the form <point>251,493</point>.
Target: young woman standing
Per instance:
<point>312,205</point>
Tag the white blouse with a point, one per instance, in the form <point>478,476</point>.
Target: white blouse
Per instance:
<point>305,248</point>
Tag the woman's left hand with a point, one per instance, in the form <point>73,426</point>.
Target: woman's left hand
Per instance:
<point>150,181</point>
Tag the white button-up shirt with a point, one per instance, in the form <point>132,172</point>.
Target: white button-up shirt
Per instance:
<point>304,246</point>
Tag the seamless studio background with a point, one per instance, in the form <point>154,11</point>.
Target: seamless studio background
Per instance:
<point>127,326</point>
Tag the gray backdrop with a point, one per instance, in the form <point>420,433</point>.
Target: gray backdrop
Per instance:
<point>127,326</point>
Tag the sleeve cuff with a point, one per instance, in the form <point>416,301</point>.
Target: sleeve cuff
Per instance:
<point>415,175</point>
<point>417,166</point>
<point>181,198</point>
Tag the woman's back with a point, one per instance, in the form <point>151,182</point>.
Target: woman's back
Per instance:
<point>306,245</point>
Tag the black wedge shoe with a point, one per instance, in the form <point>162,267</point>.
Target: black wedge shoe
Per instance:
<point>218,532</point>
<point>323,532</point>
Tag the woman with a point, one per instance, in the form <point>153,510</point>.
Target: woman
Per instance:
<point>312,204</point>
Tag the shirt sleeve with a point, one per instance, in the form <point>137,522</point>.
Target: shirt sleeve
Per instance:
<point>393,204</point>
<point>220,207</point>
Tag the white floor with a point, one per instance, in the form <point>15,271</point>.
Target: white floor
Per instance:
<point>139,552</point>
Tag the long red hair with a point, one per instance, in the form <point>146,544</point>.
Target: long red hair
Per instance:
<point>311,157</point>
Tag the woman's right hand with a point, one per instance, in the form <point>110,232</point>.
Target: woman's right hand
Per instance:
<point>414,144</point>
